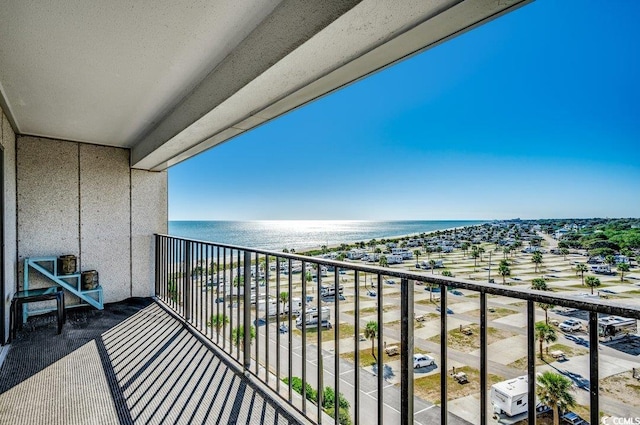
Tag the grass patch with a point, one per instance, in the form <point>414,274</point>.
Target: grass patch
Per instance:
<point>346,330</point>
<point>428,387</point>
<point>369,310</point>
<point>494,312</point>
<point>436,301</point>
<point>460,341</point>
<point>366,358</point>
<point>623,387</point>
<point>521,364</point>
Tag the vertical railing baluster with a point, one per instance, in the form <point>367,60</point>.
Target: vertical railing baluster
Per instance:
<point>246,347</point>
<point>319,365</point>
<point>531,367</point>
<point>257,274</point>
<point>215,271</point>
<point>380,351</point>
<point>594,375</point>
<point>290,332</point>
<point>356,378</point>
<point>483,358</point>
<point>242,278</point>
<point>279,307</point>
<point>156,278</point>
<point>224,298</point>
<point>444,412</point>
<point>303,318</point>
<point>231,291</point>
<point>187,281</point>
<point>406,351</point>
<point>267,308</point>
<point>207,296</point>
<point>336,350</point>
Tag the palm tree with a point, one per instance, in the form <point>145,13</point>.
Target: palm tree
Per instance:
<point>416,252</point>
<point>324,249</point>
<point>284,297</point>
<point>428,250</point>
<point>536,259</point>
<point>237,334</point>
<point>564,252</point>
<point>371,332</point>
<point>539,284</point>
<point>217,321</point>
<point>475,254</point>
<point>465,247</point>
<point>580,269</point>
<point>432,264</point>
<point>592,282</point>
<point>544,333</point>
<point>506,251</point>
<point>504,270</point>
<point>553,391</point>
<point>622,268</point>
<point>481,251</point>
<point>546,307</point>
<point>383,262</point>
<point>610,260</point>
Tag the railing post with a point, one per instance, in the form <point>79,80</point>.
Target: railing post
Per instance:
<point>406,351</point>
<point>246,347</point>
<point>593,369</point>
<point>444,412</point>
<point>531,355</point>
<point>157,265</point>
<point>483,358</point>
<point>187,280</point>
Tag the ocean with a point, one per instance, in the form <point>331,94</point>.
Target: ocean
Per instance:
<point>276,235</point>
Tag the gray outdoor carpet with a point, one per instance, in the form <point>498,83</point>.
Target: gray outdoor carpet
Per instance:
<point>131,363</point>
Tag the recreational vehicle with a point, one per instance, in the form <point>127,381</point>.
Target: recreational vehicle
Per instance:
<point>613,327</point>
<point>330,291</point>
<point>601,268</point>
<point>511,397</point>
<point>295,304</point>
<point>311,319</point>
<point>270,307</point>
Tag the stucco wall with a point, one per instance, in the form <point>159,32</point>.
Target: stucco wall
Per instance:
<point>8,142</point>
<point>82,199</point>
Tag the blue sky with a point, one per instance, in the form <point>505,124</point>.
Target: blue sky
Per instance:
<point>533,115</point>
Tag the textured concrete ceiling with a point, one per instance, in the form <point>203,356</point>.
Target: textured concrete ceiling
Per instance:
<point>170,79</point>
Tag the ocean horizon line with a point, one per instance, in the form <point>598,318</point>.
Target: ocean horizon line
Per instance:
<point>306,234</point>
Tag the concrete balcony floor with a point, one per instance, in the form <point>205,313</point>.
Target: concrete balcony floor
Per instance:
<point>132,363</point>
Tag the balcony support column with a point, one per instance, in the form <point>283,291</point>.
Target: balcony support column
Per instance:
<point>406,352</point>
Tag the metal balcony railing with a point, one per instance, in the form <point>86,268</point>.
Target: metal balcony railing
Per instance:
<point>232,295</point>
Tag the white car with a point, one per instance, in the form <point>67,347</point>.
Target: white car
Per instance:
<point>570,325</point>
<point>422,360</point>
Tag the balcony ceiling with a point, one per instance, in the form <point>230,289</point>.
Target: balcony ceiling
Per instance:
<point>169,79</point>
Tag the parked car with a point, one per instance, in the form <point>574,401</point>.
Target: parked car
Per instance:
<point>573,419</point>
<point>570,325</point>
<point>422,360</point>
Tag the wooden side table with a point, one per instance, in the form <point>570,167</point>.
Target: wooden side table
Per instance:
<point>33,295</point>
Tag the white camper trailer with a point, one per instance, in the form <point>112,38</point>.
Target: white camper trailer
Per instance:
<point>311,319</point>
<point>510,397</point>
<point>295,304</point>
<point>272,309</point>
